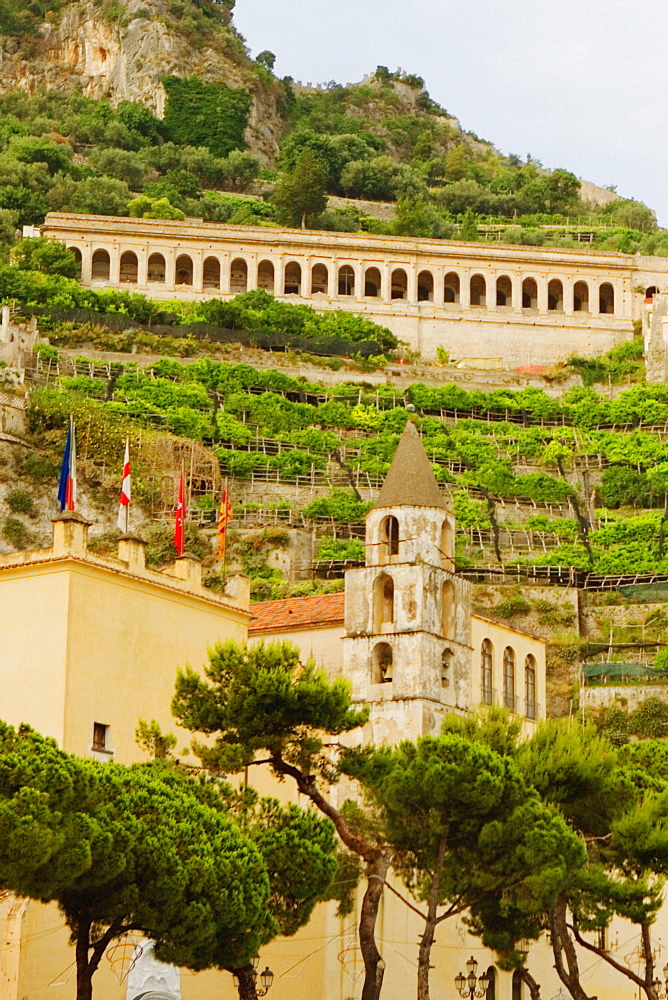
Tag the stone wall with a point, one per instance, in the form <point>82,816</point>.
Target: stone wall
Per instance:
<point>627,696</point>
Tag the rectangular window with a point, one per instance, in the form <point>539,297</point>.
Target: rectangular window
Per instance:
<point>100,733</point>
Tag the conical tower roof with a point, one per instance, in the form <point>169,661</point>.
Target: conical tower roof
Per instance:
<point>411,481</point>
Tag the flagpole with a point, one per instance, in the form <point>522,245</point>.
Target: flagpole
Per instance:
<point>227,504</point>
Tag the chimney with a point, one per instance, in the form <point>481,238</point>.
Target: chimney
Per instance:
<point>132,550</point>
<point>70,534</point>
<point>189,569</point>
<point>237,588</point>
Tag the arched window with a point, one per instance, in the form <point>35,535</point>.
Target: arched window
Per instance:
<point>293,279</point>
<point>504,291</point>
<point>509,678</point>
<point>478,290</point>
<point>529,294</point>
<point>448,609</point>
<point>381,663</point>
<point>517,990</point>
<point>491,989</point>
<point>555,296</point>
<point>649,292</point>
<point>319,280</point>
<point>530,686</point>
<point>425,286</point>
<point>447,544</point>
<point>346,280</point>
<point>129,268</point>
<point>156,268</point>
<point>399,284</point>
<point>446,665</point>
<point>238,276</point>
<point>451,287</point>
<point>100,266</point>
<point>372,283</point>
<point>265,276</point>
<point>606,296</point>
<point>486,672</point>
<point>581,297</point>
<point>183,270</point>
<point>383,602</point>
<point>77,256</point>
<point>211,273</point>
<point>389,537</point>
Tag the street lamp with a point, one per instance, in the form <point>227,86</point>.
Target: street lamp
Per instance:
<point>266,977</point>
<point>472,986</point>
<point>662,987</point>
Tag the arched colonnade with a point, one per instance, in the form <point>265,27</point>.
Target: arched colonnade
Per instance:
<point>309,278</point>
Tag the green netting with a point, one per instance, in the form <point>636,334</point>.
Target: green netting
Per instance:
<point>592,670</point>
<point>647,593</point>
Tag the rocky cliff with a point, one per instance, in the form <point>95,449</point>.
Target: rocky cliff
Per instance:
<point>81,49</point>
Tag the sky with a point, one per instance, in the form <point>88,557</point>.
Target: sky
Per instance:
<point>578,84</point>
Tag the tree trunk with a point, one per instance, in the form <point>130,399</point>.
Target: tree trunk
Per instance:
<point>562,945</point>
<point>84,970</point>
<point>528,980</point>
<point>246,977</point>
<point>424,954</point>
<point>374,966</point>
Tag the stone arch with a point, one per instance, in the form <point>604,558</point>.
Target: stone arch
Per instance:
<point>211,273</point>
<point>265,276</point>
<point>292,284</point>
<point>383,602</point>
<point>183,270</point>
<point>504,291</point>
<point>581,297</point>
<point>478,290</point>
<point>78,258</point>
<point>448,609</point>
<point>156,270</point>
<point>606,298</point>
<point>451,287</point>
<point>346,280</point>
<point>509,678</point>
<point>650,292</point>
<point>529,294</point>
<point>319,280</point>
<point>389,537</point>
<point>100,266</point>
<point>129,268</point>
<point>399,284</point>
<point>530,687</point>
<point>555,296</point>
<point>372,282</point>
<point>238,276</point>
<point>486,672</point>
<point>425,286</point>
<point>381,663</point>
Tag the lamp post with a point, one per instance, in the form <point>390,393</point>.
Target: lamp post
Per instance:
<point>266,978</point>
<point>472,985</point>
<point>662,987</point>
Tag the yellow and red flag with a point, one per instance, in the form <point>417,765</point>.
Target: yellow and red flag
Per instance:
<point>179,525</point>
<point>224,518</point>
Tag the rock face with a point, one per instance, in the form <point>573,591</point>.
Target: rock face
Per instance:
<point>80,50</point>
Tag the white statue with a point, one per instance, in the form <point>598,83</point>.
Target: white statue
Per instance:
<point>148,975</point>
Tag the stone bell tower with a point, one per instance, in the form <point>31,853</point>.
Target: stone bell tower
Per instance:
<point>407,616</point>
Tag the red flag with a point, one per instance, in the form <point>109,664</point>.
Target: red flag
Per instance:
<point>179,520</point>
<point>224,518</point>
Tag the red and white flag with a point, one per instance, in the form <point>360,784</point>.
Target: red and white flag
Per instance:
<point>179,526</point>
<point>124,502</point>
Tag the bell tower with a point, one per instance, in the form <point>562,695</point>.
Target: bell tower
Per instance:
<point>407,616</point>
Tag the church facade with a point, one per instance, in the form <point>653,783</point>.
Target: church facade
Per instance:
<point>519,305</point>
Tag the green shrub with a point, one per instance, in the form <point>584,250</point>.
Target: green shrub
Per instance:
<point>16,533</point>
<point>20,501</point>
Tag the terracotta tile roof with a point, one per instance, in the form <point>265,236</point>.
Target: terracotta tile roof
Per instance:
<point>297,612</point>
